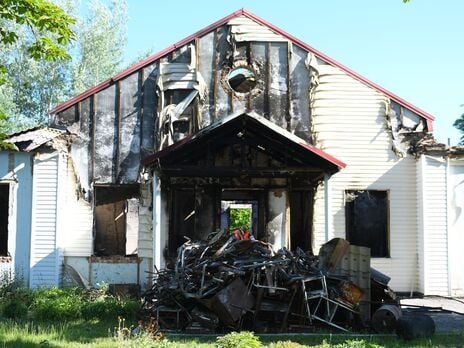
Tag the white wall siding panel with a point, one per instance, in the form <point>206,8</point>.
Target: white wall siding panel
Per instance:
<point>435,227</point>
<point>456,226</point>
<point>44,255</point>
<point>145,238</point>
<point>245,29</point>
<point>349,123</point>
<point>75,216</point>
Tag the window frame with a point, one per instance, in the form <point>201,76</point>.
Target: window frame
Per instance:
<point>8,187</point>
<point>348,229</point>
<point>129,191</point>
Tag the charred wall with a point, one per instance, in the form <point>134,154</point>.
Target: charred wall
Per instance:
<point>117,126</point>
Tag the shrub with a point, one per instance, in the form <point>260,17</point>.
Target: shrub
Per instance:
<point>14,309</point>
<point>15,299</point>
<point>57,304</point>
<point>109,308</point>
<point>286,344</point>
<point>243,339</point>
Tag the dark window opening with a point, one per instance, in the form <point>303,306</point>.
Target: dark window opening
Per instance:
<point>116,220</point>
<point>242,79</point>
<point>367,220</point>
<point>4,214</point>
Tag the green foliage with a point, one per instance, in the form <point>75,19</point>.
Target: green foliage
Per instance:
<point>459,124</point>
<point>243,339</point>
<point>49,24</point>
<point>15,299</point>
<point>240,217</point>
<point>286,344</point>
<point>57,304</point>
<point>100,44</point>
<point>63,304</point>
<point>31,86</point>
<point>110,307</point>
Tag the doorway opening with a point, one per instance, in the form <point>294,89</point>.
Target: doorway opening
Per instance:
<point>4,215</point>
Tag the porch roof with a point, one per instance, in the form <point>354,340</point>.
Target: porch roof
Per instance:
<point>266,136</point>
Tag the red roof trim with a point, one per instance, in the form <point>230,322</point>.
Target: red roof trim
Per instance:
<point>147,61</point>
<point>429,118</point>
<point>289,136</point>
<point>324,155</point>
<point>354,74</point>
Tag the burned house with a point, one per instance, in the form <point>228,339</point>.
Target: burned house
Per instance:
<point>242,113</point>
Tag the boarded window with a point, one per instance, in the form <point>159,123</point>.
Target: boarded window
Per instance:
<point>116,220</point>
<point>4,214</point>
<point>367,220</point>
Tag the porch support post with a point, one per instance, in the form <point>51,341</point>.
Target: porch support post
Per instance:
<point>157,250</point>
<point>327,209</point>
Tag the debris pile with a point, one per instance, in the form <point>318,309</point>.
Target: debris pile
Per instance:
<point>225,283</point>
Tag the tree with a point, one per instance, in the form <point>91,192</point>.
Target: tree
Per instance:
<point>459,124</point>
<point>50,31</point>
<point>100,44</point>
<point>35,85</point>
<point>49,25</point>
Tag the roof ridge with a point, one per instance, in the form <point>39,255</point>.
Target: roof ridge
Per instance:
<point>242,11</point>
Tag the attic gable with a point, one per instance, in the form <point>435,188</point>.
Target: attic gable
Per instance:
<point>245,26</point>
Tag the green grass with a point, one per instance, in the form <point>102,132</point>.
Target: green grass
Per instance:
<point>95,334</point>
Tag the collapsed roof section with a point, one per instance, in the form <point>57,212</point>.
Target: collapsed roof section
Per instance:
<point>197,154</point>
<point>31,139</point>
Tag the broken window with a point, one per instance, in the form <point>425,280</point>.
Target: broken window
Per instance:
<point>242,79</point>
<point>116,220</point>
<point>366,215</point>
<point>4,214</point>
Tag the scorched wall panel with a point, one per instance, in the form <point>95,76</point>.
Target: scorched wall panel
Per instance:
<point>349,123</point>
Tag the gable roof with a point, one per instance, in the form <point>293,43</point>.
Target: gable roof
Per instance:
<point>31,139</point>
<point>243,12</point>
<point>237,125</point>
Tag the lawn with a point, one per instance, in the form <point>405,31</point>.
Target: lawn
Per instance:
<point>82,333</point>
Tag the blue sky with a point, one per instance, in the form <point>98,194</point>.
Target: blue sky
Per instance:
<point>414,50</point>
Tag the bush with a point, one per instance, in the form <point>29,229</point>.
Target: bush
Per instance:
<point>110,308</point>
<point>57,304</point>
<point>14,309</point>
<point>15,299</point>
<point>286,344</point>
<point>243,339</point>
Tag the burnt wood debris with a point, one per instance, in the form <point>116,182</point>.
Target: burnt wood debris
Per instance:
<point>224,283</point>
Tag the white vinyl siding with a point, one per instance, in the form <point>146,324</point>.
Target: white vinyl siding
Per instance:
<point>45,261</point>
<point>145,237</point>
<point>76,217</point>
<point>435,224</point>
<point>349,123</point>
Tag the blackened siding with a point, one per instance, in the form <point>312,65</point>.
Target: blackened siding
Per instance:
<point>121,120</point>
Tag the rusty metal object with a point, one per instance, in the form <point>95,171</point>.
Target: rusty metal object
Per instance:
<point>223,283</point>
<point>385,318</point>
